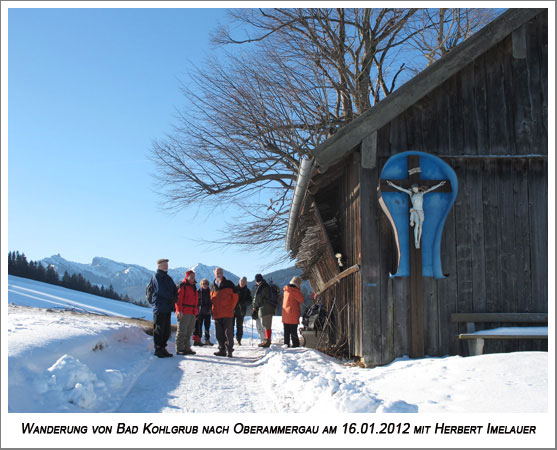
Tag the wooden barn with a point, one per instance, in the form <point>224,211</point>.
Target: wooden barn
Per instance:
<point>483,110</point>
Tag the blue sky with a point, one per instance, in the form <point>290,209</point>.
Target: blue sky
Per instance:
<point>89,90</point>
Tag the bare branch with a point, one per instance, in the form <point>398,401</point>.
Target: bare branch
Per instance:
<point>296,75</point>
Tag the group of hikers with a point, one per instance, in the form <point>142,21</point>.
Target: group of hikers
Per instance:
<point>225,302</point>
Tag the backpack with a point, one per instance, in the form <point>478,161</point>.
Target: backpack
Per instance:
<point>149,290</point>
<point>315,317</point>
<point>275,294</point>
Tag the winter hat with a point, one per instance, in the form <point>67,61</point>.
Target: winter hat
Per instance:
<point>297,281</point>
<point>259,278</point>
<point>160,261</point>
<point>188,273</point>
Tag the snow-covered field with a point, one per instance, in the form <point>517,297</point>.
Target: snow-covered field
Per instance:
<point>63,361</point>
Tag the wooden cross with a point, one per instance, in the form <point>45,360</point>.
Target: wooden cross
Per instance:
<point>416,277</point>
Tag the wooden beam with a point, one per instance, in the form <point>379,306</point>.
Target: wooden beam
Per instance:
<point>373,350</point>
<point>502,336</point>
<point>350,136</point>
<point>519,43</point>
<point>416,300</point>
<point>369,151</point>
<point>492,157</point>
<point>320,180</point>
<point>355,268</point>
<point>499,317</point>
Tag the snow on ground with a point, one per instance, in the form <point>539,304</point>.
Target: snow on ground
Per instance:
<point>61,361</point>
<point>23,291</point>
<point>69,352</point>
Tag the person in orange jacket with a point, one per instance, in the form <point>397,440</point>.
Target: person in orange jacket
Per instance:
<point>186,312</point>
<point>292,299</point>
<point>224,296</point>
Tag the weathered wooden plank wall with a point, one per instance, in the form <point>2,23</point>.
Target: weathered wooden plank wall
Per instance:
<point>494,246</point>
<point>373,299</point>
<point>348,312</point>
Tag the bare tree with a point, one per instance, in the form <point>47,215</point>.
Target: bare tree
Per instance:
<point>443,29</point>
<point>296,76</point>
<point>247,123</point>
<point>344,45</point>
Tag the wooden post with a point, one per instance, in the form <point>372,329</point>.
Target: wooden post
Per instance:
<point>372,327</point>
<point>416,276</point>
<point>416,300</point>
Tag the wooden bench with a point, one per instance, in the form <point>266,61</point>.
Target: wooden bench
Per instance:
<point>476,339</point>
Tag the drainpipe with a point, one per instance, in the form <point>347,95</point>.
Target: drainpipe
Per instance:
<point>304,175</point>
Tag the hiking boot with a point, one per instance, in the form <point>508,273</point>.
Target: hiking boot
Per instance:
<point>197,343</point>
<point>208,342</point>
<point>181,352</point>
<point>159,353</point>
<point>189,352</point>
<point>166,353</point>
<point>229,354</point>
<point>220,353</point>
<point>265,343</point>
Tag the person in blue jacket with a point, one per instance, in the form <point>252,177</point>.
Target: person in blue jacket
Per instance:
<point>164,296</point>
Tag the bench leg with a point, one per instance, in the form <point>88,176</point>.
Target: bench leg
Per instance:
<point>476,347</point>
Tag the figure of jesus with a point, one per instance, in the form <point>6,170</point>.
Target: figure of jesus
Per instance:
<point>417,211</point>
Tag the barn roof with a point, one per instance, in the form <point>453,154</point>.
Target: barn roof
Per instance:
<point>351,135</point>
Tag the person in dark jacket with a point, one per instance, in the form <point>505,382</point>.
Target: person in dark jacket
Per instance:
<point>204,316</point>
<point>244,299</point>
<point>224,297</point>
<point>262,304</point>
<point>165,295</point>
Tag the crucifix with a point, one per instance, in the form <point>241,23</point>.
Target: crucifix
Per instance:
<point>416,188</point>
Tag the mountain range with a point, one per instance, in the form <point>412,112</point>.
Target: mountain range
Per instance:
<point>131,279</point>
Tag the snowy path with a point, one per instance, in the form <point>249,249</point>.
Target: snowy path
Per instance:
<point>201,383</point>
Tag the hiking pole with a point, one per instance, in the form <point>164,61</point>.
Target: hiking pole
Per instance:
<point>251,339</point>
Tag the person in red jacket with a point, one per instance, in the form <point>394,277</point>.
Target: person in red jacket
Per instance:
<point>224,297</point>
<point>186,312</point>
<point>291,302</point>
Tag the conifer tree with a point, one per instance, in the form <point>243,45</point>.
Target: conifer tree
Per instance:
<point>51,276</point>
<point>66,279</point>
<point>11,262</point>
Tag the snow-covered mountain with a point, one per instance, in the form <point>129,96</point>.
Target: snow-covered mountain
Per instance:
<point>131,279</point>
<point>125,278</point>
<point>201,271</point>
